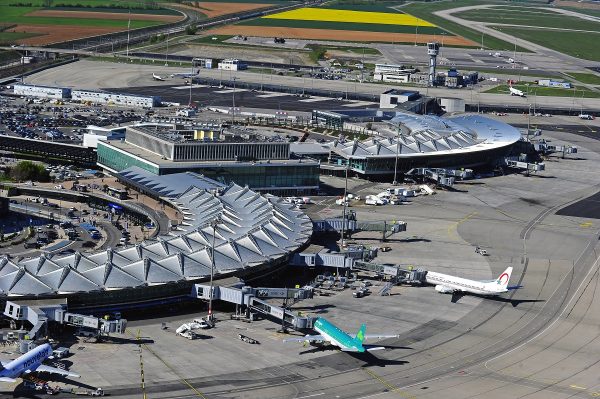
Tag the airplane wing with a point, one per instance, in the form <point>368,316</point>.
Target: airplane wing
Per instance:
<point>371,348</point>
<point>53,370</point>
<point>377,336</point>
<point>7,379</point>
<point>309,338</point>
<point>368,348</point>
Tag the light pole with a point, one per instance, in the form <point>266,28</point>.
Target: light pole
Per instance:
<point>395,182</point>
<point>442,49</point>
<point>233,101</point>
<point>345,201</point>
<point>528,121</point>
<point>213,224</point>
<point>167,53</point>
<point>128,26</point>
<point>416,34</point>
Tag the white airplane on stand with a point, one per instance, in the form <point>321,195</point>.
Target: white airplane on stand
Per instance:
<point>458,286</point>
<point>157,77</point>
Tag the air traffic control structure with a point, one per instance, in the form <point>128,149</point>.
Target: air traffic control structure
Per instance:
<point>433,49</point>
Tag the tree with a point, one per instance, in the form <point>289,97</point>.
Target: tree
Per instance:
<point>191,30</point>
<point>28,170</point>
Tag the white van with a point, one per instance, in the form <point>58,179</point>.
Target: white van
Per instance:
<point>61,352</point>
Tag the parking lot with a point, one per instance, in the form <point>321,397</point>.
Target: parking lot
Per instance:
<point>46,119</point>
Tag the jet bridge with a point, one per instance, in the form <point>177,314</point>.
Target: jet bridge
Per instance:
<point>543,147</point>
<point>40,312</point>
<point>401,274</point>
<point>352,225</point>
<point>440,176</point>
<point>252,301</point>
<point>525,166</point>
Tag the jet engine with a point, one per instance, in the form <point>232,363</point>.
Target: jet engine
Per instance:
<point>442,289</point>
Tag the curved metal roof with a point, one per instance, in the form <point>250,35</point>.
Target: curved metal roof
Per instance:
<point>253,229</point>
<point>433,135</point>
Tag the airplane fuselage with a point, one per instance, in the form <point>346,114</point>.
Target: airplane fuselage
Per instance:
<point>27,363</point>
<point>449,284</point>
<point>336,336</point>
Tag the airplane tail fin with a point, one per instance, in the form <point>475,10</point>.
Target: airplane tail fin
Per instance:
<point>360,335</point>
<point>504,278</point>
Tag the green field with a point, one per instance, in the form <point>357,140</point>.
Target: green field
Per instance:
<point>17,15</point>
<point>9,55</point>
<point>209,39</point>
<point>15,12</point>
<point>577,44</point>
<point>326,25</point>
<point>532,90</point>
<point>150,11</point>
<point>281,2</point>
<point>529,17</point>
<point>126,4</point>
<point>586,11</point>
<point>10,37</point>
<point>425,10</point>
<point>353,50</point>
<point>588,78</point>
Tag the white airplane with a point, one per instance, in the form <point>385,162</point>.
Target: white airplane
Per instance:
<point>157,77</point>
<point>457,286</point>
<point>333,335</point>
<point>516,92</point>
<point>184,75</point>
<point>31,362</point>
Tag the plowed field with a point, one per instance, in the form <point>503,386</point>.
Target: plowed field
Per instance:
<point>341,35</point>
<point>212,10</point>
<point>104,15</point>
<point>52,34</point>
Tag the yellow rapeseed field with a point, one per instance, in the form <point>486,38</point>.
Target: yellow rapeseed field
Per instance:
<point>363,17</point>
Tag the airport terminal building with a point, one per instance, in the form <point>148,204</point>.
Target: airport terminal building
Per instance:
<point>261,165</point>
<point>251,233</point>
<point>420,141</point>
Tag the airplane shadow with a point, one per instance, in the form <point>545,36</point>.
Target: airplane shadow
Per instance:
<point>370,359</point>
<point>66,380</point>
<point>513,302</point>
<point>367,358</point>
<point>21,391</point>
<point>315,309</point>
<point>123,341</point>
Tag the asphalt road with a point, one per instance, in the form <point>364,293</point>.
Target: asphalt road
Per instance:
<point>224,97</point>
<point>89,74</point>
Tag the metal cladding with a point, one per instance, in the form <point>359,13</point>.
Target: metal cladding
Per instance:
<point>252,230</point>
<point>433,135</point>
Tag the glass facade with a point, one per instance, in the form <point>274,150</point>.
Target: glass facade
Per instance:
<point>386,165</point>
<point>265,177</point>
<point>117,160</point>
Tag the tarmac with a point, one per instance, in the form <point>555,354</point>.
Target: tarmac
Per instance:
<point>541,341</point>
<point>104,75</point>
